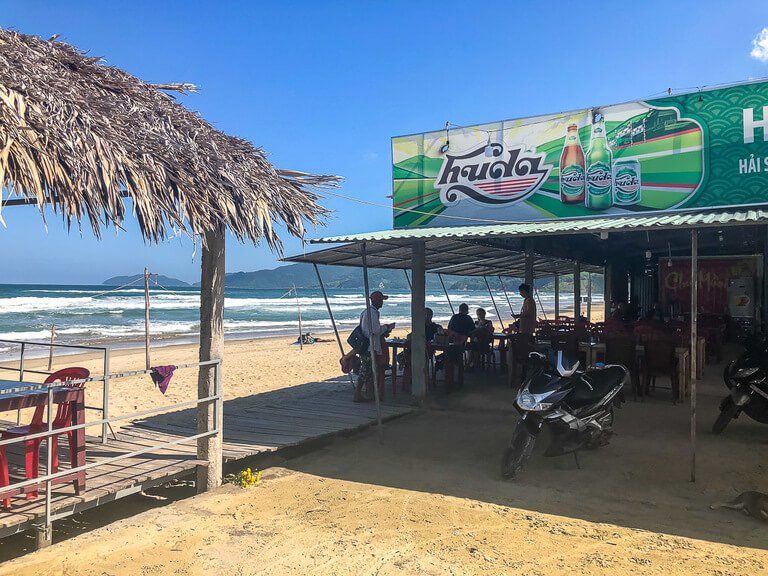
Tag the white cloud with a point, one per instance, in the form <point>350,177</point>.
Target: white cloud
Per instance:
<point>760,46</point>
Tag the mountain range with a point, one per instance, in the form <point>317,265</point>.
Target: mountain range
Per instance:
<point>303,275</point>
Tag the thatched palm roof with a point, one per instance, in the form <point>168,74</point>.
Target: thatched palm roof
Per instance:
<point>82,136</point>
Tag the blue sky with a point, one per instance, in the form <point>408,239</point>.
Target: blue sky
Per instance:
<point>322,86</point>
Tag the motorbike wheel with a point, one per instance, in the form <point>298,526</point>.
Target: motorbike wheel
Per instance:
<point>604,437</point>
<point>727,411</point>
<point>518,451</point>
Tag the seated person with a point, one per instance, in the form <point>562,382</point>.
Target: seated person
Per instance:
<point>432,328</point>
<point>481,336</point>
<point>460,328</point>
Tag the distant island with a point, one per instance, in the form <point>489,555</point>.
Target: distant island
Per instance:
<point>166,281</point>
<point>346,278</point>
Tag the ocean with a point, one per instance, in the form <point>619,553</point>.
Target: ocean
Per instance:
<point>96,315</point>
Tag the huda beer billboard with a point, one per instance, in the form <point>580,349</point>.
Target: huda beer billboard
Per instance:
<point>703,149</point>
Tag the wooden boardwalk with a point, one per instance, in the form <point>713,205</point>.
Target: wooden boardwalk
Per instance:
<point>252,425</point>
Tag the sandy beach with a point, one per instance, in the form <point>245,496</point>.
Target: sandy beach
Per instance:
<point>429,499</point>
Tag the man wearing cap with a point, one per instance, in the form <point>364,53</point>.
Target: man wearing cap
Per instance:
<point>371,325</point>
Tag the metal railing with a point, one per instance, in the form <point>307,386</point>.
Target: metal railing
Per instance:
<point>24,345</point>
<point>50,390</point>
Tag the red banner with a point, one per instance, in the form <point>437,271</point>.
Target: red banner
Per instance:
<point>714,273</point>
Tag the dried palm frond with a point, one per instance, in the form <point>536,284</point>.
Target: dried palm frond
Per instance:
<point>82,136</point>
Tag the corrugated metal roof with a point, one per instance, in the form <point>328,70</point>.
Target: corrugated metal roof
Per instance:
<point>445,256</point>
<point>574,226</point>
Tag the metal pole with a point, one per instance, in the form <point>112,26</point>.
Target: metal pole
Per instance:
<point>298,305</point>
<point>509,303</point>
<point>328,307</point>
<point>576,291</point>
<point>557,296</point>
<point>371,337</point>
<point>330,314</point>
<point>21,378</point>
<point>105,398</point>
<point>407,279</point>
<point>440,276</point>
<point>21,362</point>
<point>48,529</point>
<point>146,317</point>
<point>50,348</point>
<point>694,342</point>
<point>494,302</point>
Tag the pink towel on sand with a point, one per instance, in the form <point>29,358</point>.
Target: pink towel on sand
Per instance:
<point>161,376</point>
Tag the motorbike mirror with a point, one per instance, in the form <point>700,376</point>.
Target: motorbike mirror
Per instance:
<point>561,369</point>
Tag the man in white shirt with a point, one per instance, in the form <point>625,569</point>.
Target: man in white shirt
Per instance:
<point>371,324</point>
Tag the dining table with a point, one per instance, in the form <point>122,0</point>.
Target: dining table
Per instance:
<point>15,395</point>
<point>682,354</point>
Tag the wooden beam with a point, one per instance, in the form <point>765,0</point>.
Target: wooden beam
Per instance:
<point>529,262</point>
<point>557,295</point>
<point>418,322</point>
<point>211,348</point>
<point>694,342</point>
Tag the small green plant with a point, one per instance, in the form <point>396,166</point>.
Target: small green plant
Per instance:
<point>245,478</point>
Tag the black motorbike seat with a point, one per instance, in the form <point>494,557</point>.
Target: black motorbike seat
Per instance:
<point>601,380</point>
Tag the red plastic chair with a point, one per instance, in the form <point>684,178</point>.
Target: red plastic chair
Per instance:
<point>62,419</point>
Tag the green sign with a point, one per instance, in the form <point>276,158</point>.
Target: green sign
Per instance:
<point>699,150</point>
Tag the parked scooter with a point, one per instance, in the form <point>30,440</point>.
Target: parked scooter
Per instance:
<point>747,379</point>
<point>576,405</point>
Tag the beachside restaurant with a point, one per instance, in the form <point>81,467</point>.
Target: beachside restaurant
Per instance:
<point>678,287</point>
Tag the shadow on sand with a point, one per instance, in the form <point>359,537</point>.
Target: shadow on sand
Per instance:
<point>641,480</point>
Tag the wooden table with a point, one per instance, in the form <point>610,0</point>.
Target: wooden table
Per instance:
<point>395,344</point>
<point>19,395</point>
<point>682,355</point>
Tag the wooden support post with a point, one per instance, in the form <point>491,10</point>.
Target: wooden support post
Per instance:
<point>146,318</point>
<point>419,373</point>
<point>589,296</point>
<point>440,276</point>
<point>607,289</point>
<point>43,536</point>
<point>576,290</point>
<point>694,342</point>
<point>557,295</point>
<point>371,340</point>
<point>209,383</point>
<point>529,275</point>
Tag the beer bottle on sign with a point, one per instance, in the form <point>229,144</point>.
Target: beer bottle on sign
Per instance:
<point>599,194</point>
<point>572,168</point>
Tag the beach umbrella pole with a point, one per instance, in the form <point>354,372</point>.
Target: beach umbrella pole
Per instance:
<point>440,276</point>
<point>146,318</point>
<point>371,337</point>
<point>494,302</point>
